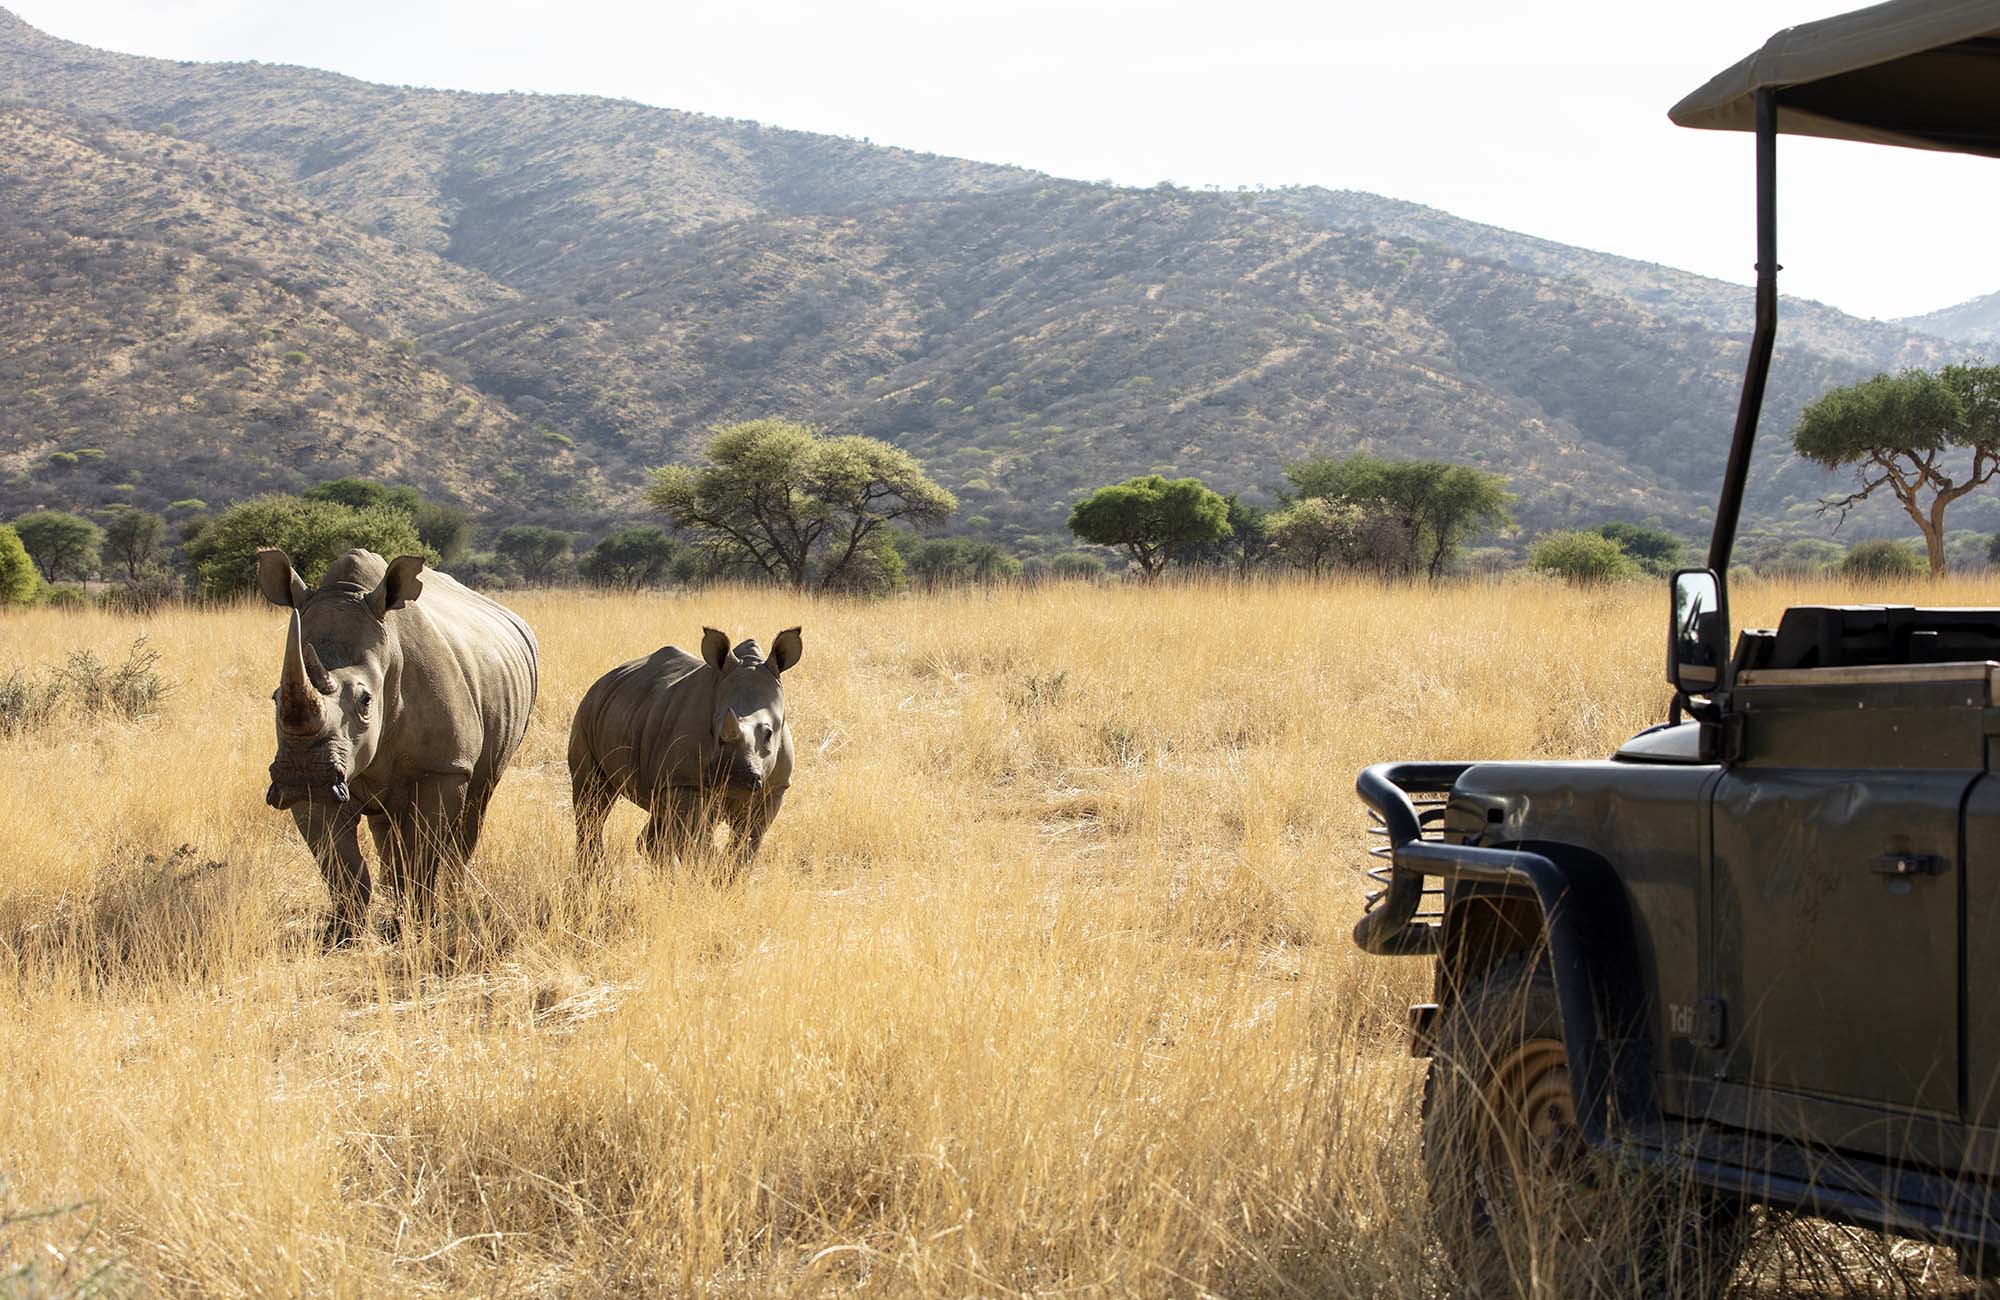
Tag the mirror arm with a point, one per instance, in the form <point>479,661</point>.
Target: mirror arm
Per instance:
<point>1723,540</point>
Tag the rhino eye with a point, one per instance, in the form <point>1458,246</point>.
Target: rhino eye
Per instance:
<point>362,699</point>
<point>763,734</point>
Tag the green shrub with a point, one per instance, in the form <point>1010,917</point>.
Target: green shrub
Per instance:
<point>365,494</point>
<point>1656,551</point>
<point>444,529</point>
<point>313,533</point>
<point>875,569</point>
<point>65,595</point>
<point>1803,557</point>
<point>1581,557</point>
<point>959,561</point>
<point>1882,558</point>
<point>19,582</point>
<point>296,358</point>
<point>1077,565</point>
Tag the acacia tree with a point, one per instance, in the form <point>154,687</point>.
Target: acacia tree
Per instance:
<point>1909,433</point>
<point>630,557</point>
<point>802,507</point>
<point>62,545</point>
<point>1316,534</point>
<point>134,537</point>
<point>1151,518</point>
<point>1437,506</point>
<point>1242,548</point>
<point>538,553</point>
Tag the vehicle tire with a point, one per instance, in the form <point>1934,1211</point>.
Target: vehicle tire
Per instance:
<point>1520,1204</point>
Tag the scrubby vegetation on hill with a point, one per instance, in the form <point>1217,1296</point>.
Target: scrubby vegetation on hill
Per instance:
<point>1662,290</point>
<point>241,279</point>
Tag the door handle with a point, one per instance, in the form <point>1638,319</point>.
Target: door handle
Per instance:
<point>1909,864</point>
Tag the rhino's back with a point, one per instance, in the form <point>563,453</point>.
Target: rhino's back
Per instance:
<point>478,661</point>
<point>645,724</point>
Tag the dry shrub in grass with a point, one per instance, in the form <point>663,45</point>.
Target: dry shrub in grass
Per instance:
<point>83,688</point>
<point>146,917</point>
<point>1041,985</point>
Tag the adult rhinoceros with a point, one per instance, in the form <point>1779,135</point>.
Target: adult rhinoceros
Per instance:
<point>686,739</point>
<point>398,709</point>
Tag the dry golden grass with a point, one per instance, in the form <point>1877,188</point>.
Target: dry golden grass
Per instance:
<point>1042,984</point>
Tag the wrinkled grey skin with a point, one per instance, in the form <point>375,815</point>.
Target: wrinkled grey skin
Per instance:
<point>689,740</point>
<point>398,709</point>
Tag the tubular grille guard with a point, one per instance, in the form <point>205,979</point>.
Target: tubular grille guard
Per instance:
<point>1430,817</point>
<point>1402,914</point>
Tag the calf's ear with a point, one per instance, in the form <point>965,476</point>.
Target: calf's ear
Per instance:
<point>276,578</point>
<point>715,649</point>
<point>786,648</point>
<point>399,586</point>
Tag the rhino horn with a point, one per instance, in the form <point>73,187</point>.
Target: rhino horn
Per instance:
<point>298,701</point>
<point>316,673</point>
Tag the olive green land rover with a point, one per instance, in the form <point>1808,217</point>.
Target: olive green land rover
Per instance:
<point>1753,958</point>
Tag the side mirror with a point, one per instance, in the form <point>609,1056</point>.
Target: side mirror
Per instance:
<point>1697,633</point>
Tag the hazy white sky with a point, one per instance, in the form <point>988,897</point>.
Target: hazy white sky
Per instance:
<point>1546,116</point>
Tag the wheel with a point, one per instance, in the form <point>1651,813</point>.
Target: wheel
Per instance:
<point>1520,1204</point>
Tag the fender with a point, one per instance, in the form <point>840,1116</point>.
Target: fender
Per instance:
<point>1584,919</point>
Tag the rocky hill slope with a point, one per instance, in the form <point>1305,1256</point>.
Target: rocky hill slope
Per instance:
<point>242,277</point>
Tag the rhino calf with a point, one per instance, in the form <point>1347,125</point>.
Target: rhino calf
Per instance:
<point>690,741</point>
<point>400,710</point>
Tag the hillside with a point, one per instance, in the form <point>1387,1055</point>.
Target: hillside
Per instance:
<point>1028,343</point>
<point>244,277</point>
<point>197,332</point>
<point>529,188</point>
<point>1976,322</point>
<point>1664,290</point>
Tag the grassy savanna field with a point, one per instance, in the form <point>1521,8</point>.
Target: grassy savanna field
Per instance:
<point>1042,984</point>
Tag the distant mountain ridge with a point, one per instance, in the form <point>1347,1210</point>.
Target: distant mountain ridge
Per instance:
<point>266,275</point>
<point>1976,322</point>
<point>1664,289</point>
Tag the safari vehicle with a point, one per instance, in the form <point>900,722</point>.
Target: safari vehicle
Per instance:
<point>1754,957</point>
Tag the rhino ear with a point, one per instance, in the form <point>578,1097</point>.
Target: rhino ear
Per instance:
<point>277,579</point>
<point>399,586</point>
<point>715,649</point>
<point>785,650</point>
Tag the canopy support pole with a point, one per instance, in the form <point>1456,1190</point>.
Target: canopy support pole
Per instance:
<point>1723,541</point>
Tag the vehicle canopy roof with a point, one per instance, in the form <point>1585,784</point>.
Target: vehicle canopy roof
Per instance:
<point>1920,73</point>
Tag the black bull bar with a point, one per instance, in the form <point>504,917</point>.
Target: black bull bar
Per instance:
<point>1390,927</point>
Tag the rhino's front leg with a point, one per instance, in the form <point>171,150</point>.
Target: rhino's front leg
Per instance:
<point>329,831</point>
<point>428,835</point>
<point>748,837</point>
<point>674,825</point>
